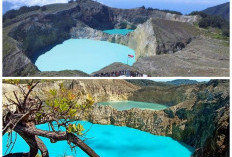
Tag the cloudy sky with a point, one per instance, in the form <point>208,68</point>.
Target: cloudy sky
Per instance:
<point>184,6</point>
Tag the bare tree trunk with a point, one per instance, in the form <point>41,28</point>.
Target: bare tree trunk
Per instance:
<point>35,144</point>
<point>43,149</point>
<point>31,141</point>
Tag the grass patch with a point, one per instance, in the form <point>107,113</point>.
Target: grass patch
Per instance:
<point>9,45</point>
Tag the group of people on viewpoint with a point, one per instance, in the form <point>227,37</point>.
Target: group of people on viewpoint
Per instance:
<point>121,73</point>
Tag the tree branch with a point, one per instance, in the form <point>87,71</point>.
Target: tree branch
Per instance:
<point>28,93</point>
<point>19,103</point>
<point>58,136</point>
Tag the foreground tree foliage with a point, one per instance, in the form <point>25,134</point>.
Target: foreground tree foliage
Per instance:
<point>61,110</point>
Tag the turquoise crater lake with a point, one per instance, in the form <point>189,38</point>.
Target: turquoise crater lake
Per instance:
<point>85,55</point>
<point>113,141</point>
<point>126,105</point>
<point>118,31</point>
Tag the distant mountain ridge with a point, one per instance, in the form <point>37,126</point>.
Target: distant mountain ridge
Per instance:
<point>182,82</point>
<point>144,83</point>
<point>222,10</point>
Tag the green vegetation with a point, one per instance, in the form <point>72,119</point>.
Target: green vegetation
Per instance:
<point>71,1</point>
<point>170,113</point>
<point>172,12</point>
<point>182,114</point>
<point>182,82</point>
<point>213,21</point>
<point>216,33</point>
<point>143,83</point>
<point>8,43</point>
<point>162,95</point>
<point>61,107</point>
<point>140,20</point>
<point>176,132</point>
<point>43,8</point>
<point>123,25</point>
<point>222,10</point>
<point>166,11</point>
<point>13,13</point>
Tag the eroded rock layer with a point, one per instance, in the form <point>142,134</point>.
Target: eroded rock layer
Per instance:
<point>201,120</point>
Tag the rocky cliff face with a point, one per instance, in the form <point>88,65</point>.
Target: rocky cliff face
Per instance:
<point>106,90</point>
<point>143,40</point>
<point>85,32</point>
<point>38,31</point>
<point>202,120</point>
<point>18,64</point>
<point>140,15</point>
<point>157,36</point>
<point>101,90</point>
<point>218,143</point>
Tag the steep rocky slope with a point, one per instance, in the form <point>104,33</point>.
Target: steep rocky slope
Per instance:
<point>33,33</point>
<point>64,73</point>
<point>202,57</point>
<point>158,36</point>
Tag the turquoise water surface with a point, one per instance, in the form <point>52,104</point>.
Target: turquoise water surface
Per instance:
<point>114,141</point>
<point>85,55</point>
<point>126,105</point>
<point>118,31</point>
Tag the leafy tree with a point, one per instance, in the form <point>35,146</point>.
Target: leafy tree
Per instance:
<point>43,8</point>
<point>172,12</point>
<point>212,21</point>
<point>202,14</point>
<point>123,25</point>
<point>226,31</point>
<point>143,7</point>
<point>60,109</point>
<point>165,10</point>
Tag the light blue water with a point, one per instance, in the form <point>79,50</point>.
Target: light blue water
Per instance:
<point>126,105</point>
<point>114,141</point>
<point>85,55</point>
<point>118,31</point>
